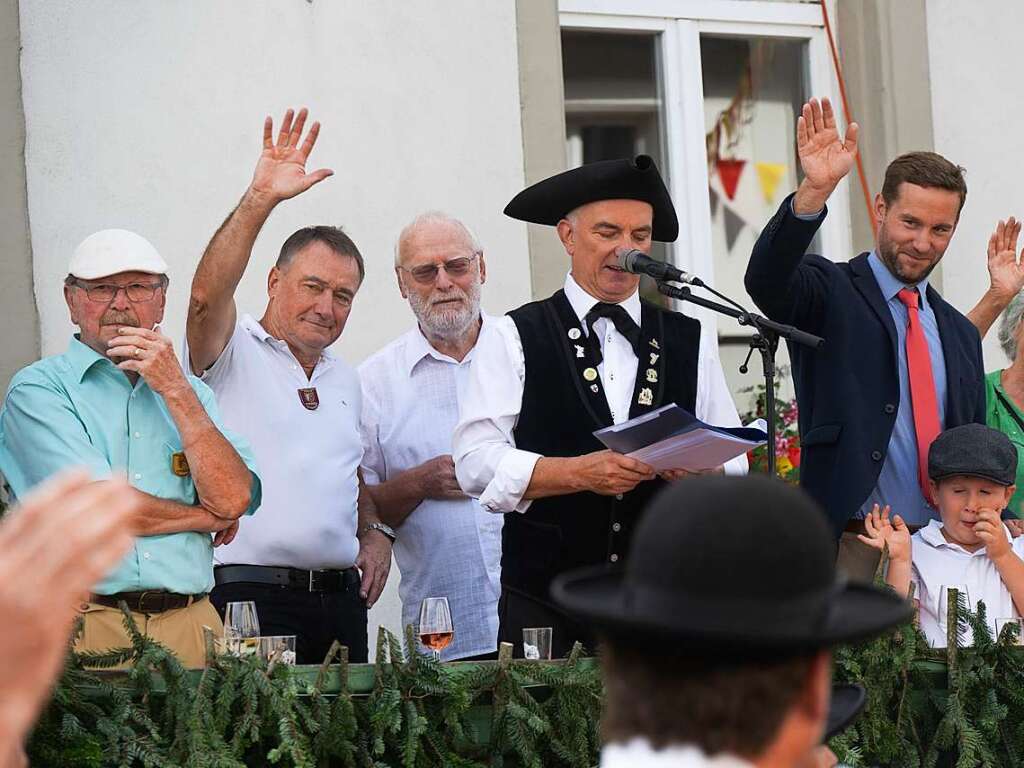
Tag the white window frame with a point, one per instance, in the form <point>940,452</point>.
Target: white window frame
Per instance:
<point>680,24</point>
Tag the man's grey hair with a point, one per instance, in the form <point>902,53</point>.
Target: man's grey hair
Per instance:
<point>429,218</point>
<point>1008,326</point>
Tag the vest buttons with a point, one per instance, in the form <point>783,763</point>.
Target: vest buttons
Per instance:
<point>876,455</point>
<point>618,497</point>
<point>614,558</point>
<point>616,527</point>
<point>890,408</point>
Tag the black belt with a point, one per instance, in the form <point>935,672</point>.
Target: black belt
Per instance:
<point>150,601</point>
<point>292,578</point>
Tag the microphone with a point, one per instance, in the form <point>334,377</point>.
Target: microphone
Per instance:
<point>639,263</point>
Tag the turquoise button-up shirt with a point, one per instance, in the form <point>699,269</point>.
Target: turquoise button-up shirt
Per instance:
<point>79,409</point>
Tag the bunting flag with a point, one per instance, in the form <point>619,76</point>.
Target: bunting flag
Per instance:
<point>729,173</point>
<point>714,199</point>
<point>733,226</point>
<point>770,174</point>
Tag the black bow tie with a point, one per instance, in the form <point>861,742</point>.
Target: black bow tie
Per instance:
<point>624,324</point>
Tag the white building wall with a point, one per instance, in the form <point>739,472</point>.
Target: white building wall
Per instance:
<point>148,115</point>
<point>977,113</point>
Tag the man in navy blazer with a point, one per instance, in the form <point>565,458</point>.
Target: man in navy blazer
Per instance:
<point>857,427</point>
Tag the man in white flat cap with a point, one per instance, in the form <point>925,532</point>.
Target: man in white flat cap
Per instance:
<point>117,401</point>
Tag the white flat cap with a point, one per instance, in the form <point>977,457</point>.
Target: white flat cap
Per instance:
<point>111,251</point>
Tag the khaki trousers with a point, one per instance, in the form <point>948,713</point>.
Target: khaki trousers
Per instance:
<point>856,559</point>
<point>180,629</point>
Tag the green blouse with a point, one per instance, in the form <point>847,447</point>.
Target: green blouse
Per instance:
<point>999,414</point>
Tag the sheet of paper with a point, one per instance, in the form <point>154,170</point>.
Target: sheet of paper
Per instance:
<point>695,450</point>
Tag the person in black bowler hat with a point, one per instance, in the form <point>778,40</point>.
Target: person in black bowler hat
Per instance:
<point>552,372</point>
<point>716,635</point>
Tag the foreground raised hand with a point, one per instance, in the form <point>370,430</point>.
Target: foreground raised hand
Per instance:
<point>54,547</point>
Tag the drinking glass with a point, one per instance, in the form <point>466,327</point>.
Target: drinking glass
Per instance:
<point>436,630</point>
<point>537,643</point>
<point>1002,623</point>
<point>280,648</point>
<point>241,627</point>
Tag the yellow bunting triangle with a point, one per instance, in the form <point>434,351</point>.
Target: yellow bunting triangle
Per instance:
<point>770,174</point>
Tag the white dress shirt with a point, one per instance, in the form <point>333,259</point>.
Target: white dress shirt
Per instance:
<point>487,462</point>
<point>638,753</point>
<point>307,459</point>
<point>938,563</point>
<point>445,547</point>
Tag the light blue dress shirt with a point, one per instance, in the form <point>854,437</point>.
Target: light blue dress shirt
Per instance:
<point>79,409</point>
<point>898,483</point>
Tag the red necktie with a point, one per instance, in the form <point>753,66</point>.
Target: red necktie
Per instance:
<point>922,387</point>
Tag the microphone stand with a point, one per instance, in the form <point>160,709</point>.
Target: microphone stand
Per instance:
<point>765,339</point>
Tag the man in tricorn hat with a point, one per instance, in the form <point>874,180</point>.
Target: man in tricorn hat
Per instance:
<point>554,371</point>
<point>716,636</point>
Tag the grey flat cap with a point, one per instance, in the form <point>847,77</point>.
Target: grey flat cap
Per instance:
<point>974,450</point>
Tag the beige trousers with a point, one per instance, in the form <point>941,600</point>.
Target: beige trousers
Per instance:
<point>180,629</point>
<point>857,560</point>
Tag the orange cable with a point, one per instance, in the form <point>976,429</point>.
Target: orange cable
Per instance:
<point>849,118</point>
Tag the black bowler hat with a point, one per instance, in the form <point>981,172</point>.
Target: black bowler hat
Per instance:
<point>973,450</point>
<point>548,201</point>
<point>744,564</point>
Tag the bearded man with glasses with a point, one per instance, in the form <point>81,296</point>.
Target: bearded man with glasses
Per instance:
<point>117,401</point>
<point>446,543</point>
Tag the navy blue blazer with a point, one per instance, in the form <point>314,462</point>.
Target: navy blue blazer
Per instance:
<point>848,390</point>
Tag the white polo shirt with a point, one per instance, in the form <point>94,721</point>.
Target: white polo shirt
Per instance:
<point>938,563</point>
<point>445,547</point>
<point>307,459</point>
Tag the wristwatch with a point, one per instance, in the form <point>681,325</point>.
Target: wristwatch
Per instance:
<point>387,530</point>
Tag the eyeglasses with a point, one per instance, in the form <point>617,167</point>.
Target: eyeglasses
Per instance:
<point>427,273</point>
<point>105,292</point>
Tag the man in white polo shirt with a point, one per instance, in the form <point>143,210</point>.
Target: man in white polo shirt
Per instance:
<point>447,545</point>
<point>319,557</point>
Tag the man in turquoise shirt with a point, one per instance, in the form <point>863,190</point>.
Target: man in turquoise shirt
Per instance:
<point>118,402</point>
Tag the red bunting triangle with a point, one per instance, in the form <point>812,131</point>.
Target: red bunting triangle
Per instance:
<point>729,173</point>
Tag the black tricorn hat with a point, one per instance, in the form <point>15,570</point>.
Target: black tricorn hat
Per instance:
<point>744,564</point>
<point>548,201</point>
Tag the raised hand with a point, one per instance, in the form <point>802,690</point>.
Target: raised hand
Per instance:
<point>882,531</point>
<point>824,157</point>
<point>1005,270</point>
<point>281,171</point>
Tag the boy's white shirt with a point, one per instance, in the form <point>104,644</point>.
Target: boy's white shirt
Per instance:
<point>938,563</point>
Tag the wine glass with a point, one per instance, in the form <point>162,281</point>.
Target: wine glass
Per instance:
<point>241,626</point>
<point>436,630</point>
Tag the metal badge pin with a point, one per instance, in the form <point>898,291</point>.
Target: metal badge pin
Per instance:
<point>652,375</point>
<point>589,374</point>
<point>594,388</point>
<point>654,343</point>
<point>646,396</point>
<point>579,350</point>
<point>574,333</point>
<point>654,358</point>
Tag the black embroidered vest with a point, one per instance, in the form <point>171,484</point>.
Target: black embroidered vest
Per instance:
<point>563,404</point>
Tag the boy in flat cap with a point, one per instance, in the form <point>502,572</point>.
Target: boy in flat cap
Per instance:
<point>972,470</point>
<point>716,649</point>
<point>552,372</point>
